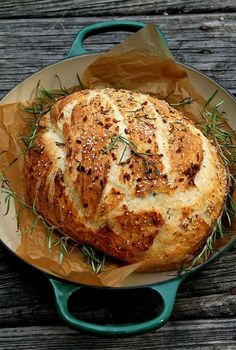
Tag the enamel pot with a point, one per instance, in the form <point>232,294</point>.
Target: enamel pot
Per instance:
<point>165,284</point>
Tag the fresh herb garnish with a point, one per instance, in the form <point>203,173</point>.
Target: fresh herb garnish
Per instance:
<point>46,99</point>
<point>95,258</point>
<point>42,104</point>
<point>149,164</point>
<point>213,124</point>
<point>29,140</point>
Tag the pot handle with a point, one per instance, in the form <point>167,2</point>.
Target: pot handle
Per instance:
<point>63,292</point>
<point>77,47</point>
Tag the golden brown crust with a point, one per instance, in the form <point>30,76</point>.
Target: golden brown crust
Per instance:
<point>127,174</point>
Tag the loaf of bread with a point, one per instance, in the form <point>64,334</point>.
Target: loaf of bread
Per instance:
<point>127,174</point>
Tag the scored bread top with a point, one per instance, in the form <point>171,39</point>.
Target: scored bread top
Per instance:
<point>127,174</point>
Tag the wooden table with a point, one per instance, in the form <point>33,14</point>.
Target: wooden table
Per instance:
<point>35,34</point>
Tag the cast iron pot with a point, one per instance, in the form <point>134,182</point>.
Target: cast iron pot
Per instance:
<point>166,284</point>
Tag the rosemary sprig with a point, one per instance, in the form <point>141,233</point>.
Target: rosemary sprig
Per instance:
<point>63,244</point>
<point>95,258</point>
<point>222,138</point>
<point>11,194</point>
<point>213,124</point>
<point>63,89</point>
<point>46,99</point>
<point>29,140</point>
<point>149,164</point>
<point>214,130</point>
<point>42,104</point>
<point>209,100</point>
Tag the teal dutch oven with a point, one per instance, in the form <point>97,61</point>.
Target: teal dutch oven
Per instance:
<point>165,284</point>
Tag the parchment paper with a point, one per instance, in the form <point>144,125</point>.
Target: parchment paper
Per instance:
<point>142,63</point>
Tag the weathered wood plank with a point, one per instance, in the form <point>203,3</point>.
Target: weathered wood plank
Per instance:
<point>193,40</point>
<point>26,297</point>
<point>204,315</point>
<point>52,8</point>
<point>201,334</point>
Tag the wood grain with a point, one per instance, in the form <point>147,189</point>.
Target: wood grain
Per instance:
<point>71,8</point>
<point>26,297</point>
<point>199,334</point>
<point>193,39</point>
<point>35,34</point>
